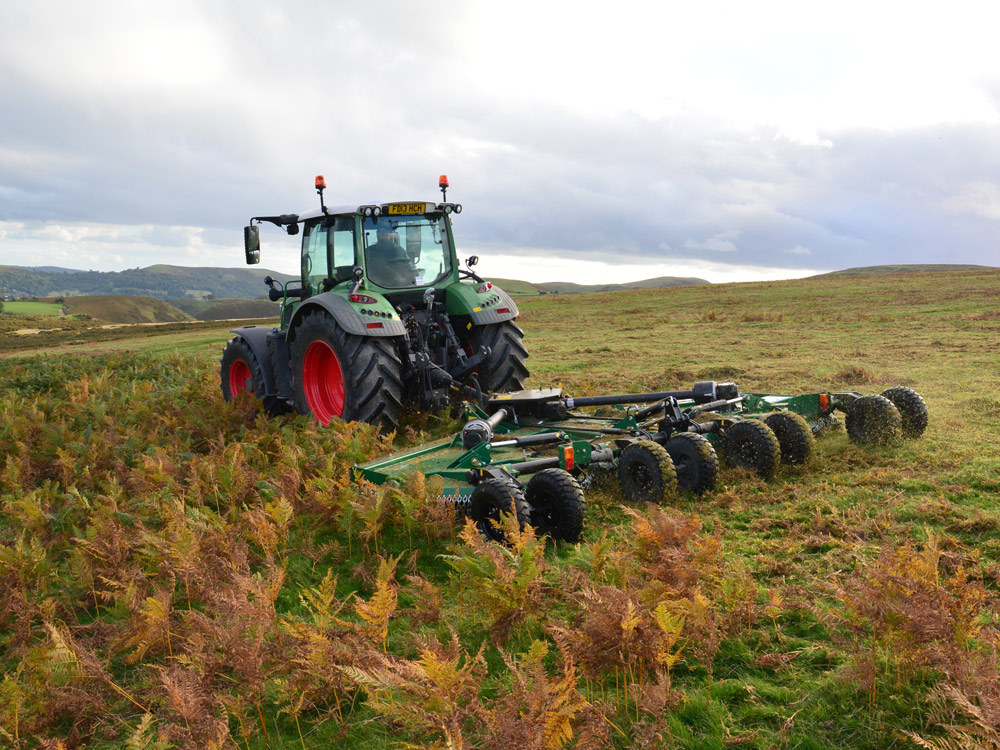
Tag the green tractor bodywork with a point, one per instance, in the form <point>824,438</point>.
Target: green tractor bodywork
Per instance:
<point>383,316</point>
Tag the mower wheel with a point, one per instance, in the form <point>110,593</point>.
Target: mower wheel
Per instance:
<point>911,408</point>
<point>505,368</point>
<point>492,497</point>
<point>794,436</point>
<point>873,421</point>
<point>694,460</point>
<point>646,473</point>
<point>338,375</point>
<point>557,504</point>
<point>751,444</point>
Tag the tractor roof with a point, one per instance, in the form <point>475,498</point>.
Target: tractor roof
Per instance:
<point>313,213</point>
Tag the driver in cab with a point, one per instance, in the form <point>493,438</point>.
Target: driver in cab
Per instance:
<point>387,263</point>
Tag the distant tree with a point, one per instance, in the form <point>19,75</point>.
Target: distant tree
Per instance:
<point>1,307</point>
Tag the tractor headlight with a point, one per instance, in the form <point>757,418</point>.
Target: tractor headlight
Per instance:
<point>448,208</point>
<point>376,211</point>
<point>368,211</point>
<point>458,208</point>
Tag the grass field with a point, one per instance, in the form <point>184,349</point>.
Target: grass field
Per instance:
<point>175,569</point>
<point>33,308</point>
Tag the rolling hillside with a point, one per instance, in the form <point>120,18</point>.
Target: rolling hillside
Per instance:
<point>907,268</point>
<point>125,309</point>
<point>161,281</point>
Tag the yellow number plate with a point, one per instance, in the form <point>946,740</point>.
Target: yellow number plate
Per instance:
<point>406,208</point>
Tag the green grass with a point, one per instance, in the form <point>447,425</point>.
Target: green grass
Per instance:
<point>49,309</point>
<point>126,477</point>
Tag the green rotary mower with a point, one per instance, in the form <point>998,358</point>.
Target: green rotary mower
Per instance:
<point>530,453</point>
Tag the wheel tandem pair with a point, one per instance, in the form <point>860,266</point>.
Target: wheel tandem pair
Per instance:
<point>552,502</point>
<point>882,420</point>
<point>649,472</point>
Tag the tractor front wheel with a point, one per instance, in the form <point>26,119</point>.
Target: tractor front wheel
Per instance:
<point>557,504</point>
<point>646,473</point>
<point>873,421</point>
<point>338,375</point>
<point>492,497</point>
<point>795,437</point>
<point>751,444</point>
<point>505,368</point>
<point>912,409</point>
<point>694,460</point>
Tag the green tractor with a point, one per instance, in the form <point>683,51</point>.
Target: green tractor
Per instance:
<point>383,319</point>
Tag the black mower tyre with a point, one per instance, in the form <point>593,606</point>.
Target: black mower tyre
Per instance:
<point>338,375</point>
<point>646,473</point>
<point>795,436</point>
<point>873,421</point>
<point>751,444</point>
<point>557,504</point>
<point>505,369</point>
<point>912,409</point>
<point>695,462</point>
<point>490,498</point>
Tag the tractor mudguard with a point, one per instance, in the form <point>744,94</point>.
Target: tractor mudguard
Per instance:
<point>260,341</point>
<point>348,317</point>
<point>491,306</point>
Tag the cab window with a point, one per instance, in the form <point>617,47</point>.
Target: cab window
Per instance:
<point>406,251</point>
<point>328,253</point>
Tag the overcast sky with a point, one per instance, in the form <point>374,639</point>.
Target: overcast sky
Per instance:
<point>586,141</point>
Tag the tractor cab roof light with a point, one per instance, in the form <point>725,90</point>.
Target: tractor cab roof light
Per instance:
<point>320,182</point>
<point>443,184</point>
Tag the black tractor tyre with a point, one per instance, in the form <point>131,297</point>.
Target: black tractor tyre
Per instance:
<point>912,409</point>
<point>645,472</point>
<point>240,372</point>
<point>557,504</point>
<point>490,498</point>
<point>873,421</point>
<point>751,444</point>
<point>795,436</point>
<point>339,375</point>
<point>695,462</point>
<point>505,369</point>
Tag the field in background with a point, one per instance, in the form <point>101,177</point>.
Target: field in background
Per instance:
<point>174,566</point>
<point>45,309</point>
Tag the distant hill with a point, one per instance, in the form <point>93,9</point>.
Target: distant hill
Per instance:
<point>160,281</point>
<point>225,309</point>
<point>565,287</point>
<point>526,288</point>
<point>125,309</point>
<point>907,268</point>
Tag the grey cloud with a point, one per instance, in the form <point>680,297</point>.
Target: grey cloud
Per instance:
<point>381,103</point>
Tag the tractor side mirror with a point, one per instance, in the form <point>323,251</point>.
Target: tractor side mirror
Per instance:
<point>251,243</point>
<point>472,261</point>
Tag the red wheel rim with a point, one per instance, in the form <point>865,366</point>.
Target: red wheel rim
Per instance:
<point>239,374</point>
<point>323,382</point>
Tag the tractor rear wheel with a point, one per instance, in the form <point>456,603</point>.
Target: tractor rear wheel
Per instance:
<point>240,371</point>
<point>505,368</point>
<point>873,421</point>
<point>557,504</point>
<point>492,497</point>
<point>338,375</point>
<point>751,444</point>
<point>795,437</point>
<point>912,409</point>
<point>646,473</point>
<point>694,460</point>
